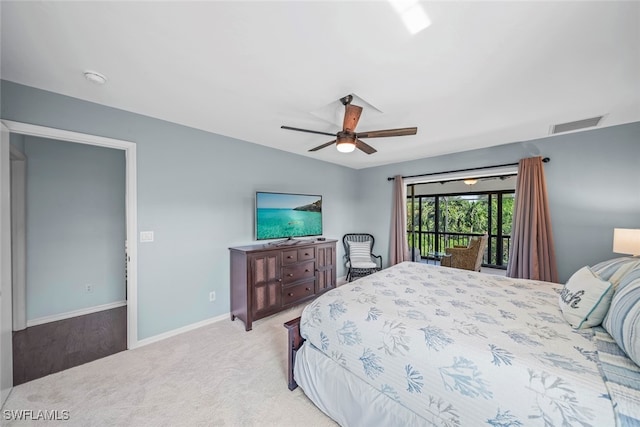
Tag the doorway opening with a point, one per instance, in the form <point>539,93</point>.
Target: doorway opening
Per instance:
<point>127,311</point>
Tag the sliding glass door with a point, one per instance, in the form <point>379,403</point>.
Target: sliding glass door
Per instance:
<point>436,222</point>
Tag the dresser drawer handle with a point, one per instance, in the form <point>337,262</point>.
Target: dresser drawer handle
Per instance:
<point>290,294</point>
<point>306,254</point>
<point>308,289</point>
<point>306,271</point>
<point>289,256</point>
<point>290,274</point>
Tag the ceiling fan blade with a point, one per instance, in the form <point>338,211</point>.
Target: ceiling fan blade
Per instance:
<point>387,132</point>
<point>365,147</point>
<point>351,117</point>
<point>320,147</point>
<point>308,131</point>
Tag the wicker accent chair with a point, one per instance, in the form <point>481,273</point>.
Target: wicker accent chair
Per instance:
<point>466,257</point>
<point>358,255</point>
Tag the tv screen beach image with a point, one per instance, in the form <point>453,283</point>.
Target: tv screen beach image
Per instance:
<point>280,215</point>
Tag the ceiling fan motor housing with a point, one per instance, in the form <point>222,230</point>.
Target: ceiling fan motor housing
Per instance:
<point>346,134</point>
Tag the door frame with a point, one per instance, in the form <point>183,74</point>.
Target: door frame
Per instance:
<point>131,203</point>
<point>18,238</point>
<point>6,317</point>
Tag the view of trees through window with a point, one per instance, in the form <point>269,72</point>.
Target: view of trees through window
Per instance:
<point>443,221</point>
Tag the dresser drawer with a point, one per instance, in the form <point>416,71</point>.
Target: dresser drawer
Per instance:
<point>307,253</point>
<point>293,273</point>
<point>289,257</point>
<point>295,293</point>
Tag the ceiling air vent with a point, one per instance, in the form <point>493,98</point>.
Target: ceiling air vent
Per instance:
<point>577,125</point>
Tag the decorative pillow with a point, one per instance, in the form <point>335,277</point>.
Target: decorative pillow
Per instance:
<point>614,270</point>
<point>360,255</point>
<point>623,320</point>
<point>585,299</point>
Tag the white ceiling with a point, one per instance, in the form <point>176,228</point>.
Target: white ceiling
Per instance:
<point>483,73</point>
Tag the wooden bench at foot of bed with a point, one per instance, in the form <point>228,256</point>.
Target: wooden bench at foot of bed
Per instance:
<point>295,341</point>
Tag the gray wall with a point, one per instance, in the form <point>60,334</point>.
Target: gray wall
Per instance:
<point>196,192</point>
<point>75,226</point>
<point>17,141</point>
<point>592,181</point>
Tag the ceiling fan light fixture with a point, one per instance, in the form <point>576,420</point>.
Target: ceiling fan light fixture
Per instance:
<point>470,181</point>
<point>345,144</point>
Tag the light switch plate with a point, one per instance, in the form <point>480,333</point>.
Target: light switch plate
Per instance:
<point>146,236</point>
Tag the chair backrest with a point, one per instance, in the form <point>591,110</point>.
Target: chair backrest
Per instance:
<point>479,244</point>
<point>357,237</point>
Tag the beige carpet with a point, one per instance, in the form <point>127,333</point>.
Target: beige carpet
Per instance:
<point>218,375</point>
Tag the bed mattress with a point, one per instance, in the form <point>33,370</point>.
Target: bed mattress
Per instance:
<point>448,347</point>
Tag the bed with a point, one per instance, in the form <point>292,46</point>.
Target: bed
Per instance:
<point>419,344</point>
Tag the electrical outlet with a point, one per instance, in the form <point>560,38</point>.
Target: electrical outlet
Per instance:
<point>88,287</point>
<point>212,296</point>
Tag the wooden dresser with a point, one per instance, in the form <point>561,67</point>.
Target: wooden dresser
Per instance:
<point>266,279</point>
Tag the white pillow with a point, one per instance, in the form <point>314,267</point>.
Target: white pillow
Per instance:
<point>360,255</point>
<point>585,299</point>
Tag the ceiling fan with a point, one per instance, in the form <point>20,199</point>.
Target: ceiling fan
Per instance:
<point>348,139</point>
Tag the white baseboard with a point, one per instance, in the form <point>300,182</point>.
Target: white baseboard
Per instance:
<point>181,330</point>
<point>146,341</point>
<point>75,313</point>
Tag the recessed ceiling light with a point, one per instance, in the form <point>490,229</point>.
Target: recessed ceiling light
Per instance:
<point>95,77</point>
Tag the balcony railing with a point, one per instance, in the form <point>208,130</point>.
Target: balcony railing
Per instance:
<point>429,242</point>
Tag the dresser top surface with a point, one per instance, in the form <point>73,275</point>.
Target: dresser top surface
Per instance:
<point>282,245</point>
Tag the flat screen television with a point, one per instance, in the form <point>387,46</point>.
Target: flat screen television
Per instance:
<point>287,215</point>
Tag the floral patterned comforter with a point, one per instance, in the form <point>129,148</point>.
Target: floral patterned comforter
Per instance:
<point>461,348</point>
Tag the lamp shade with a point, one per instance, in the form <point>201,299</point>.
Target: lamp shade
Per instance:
<point>626,241</point>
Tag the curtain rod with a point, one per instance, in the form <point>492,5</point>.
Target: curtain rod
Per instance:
<point>545,160</point>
